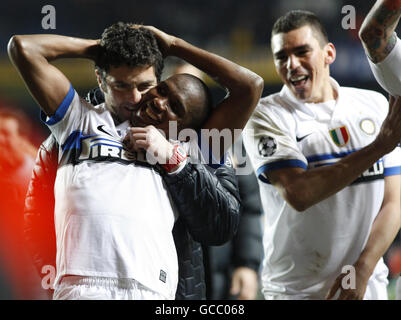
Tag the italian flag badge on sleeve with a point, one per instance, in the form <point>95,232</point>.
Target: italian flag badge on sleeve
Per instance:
<point>340,136</point>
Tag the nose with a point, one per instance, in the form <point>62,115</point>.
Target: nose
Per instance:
<point>160,103</point>
<point>136,95</point>
<point>292,62</point>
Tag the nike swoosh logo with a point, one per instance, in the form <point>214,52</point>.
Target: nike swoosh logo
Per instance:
<point>100,128</point>
<point>299,139</point>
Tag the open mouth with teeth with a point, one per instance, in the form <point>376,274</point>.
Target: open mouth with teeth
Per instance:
<point>299,80</point>
<point>150,112</point>
<point>145,115</point>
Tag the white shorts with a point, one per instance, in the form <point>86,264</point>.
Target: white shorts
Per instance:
<point>100,288</point>
<point>375,290</point>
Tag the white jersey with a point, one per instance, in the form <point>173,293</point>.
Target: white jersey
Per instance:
<point>113,214</point>
<point>387,72</point>
<point>306,251</point>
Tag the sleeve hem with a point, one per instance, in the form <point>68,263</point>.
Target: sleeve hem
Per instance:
<point>61,110</point>
<point>279,165</point>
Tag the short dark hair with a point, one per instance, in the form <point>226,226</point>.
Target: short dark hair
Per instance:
<point>298,18</point>
<point>198,114</point>
<point>121,44</point>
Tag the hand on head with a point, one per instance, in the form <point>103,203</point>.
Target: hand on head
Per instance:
<point>164,40</point>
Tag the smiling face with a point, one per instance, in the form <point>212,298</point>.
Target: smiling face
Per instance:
<point>302,63</point>
<point>174,99</point>
<point>123,88</point>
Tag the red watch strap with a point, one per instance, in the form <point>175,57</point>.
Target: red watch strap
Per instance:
<point>179,155</point>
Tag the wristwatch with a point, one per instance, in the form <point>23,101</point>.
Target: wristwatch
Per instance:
<point>179,155</point>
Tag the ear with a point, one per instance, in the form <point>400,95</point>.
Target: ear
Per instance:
<point>100,82</point>
<point>330,51</point>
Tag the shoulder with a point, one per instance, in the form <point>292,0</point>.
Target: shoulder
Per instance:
<point>272,109</point>
<point>369,96</point>
<point>97,108</point>
<point>367,99</point>
<point>273,103</point>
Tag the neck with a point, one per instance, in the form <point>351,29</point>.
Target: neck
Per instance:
<point>326,93</point>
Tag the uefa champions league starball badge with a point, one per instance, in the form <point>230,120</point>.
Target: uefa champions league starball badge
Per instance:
<point>267,146</point>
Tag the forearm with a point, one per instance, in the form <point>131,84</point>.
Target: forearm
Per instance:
<point>243,86</point>
<point>305,188</point>
<point>50,47</point>
<point>225,72</point>
<point>31,54</point>
<point>383,232</point>
<point>377,31</point>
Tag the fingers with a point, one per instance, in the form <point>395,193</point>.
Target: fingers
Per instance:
<point>151,140</point>
<point>248,291</point>
<point>334,288</point>
<point>136,142</point>
<point>345,294</point>
<point>235,286</point>
<point>141,129</point>
<point>244,283</point>
<point>350,294</point>
<point>135,139</point>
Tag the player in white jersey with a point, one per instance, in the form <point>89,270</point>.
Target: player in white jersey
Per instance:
<point>112,213</point>
<point>383,48</point>
<point>330,190</point>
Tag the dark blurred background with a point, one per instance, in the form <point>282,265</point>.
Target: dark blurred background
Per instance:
<point>236,29</point>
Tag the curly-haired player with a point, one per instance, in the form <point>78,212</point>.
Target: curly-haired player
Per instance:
<point>113,215</point>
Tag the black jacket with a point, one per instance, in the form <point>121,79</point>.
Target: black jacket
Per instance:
<point>208,203</point>
<point>244,250</point>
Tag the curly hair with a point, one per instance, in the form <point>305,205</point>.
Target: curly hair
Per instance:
<point>121,44</point>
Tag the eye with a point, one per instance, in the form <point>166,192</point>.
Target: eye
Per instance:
<point>281,58</point>
<point>121,86</point>
<point>162,90</point>
<point>145,87</point>
<point>302,52</point>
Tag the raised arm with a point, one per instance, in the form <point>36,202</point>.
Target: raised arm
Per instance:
<point>243,86</point>
<point>377,31</point>
<point>31,55</point>
<point>304,188</point>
